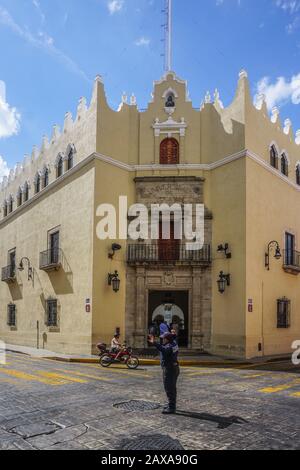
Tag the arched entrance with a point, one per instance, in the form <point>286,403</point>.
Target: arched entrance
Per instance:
<point>171,307</point>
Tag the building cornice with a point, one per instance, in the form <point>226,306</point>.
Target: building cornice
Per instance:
<point>143,168</point>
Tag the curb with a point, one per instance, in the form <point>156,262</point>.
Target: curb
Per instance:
<point>156,362</point>
<point>153,362</point>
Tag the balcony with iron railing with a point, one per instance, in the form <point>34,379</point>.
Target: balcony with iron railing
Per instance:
<point>51,260</point>
<point>172,253</point>
<point>8,274</point>
<point>291,261</point>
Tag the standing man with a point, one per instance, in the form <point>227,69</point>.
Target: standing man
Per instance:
<point>169,362</point>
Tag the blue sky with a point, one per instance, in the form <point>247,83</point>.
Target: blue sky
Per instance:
<point>51,50</point>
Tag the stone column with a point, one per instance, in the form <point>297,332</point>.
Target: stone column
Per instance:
<point>140,327</point>
<point>196,320</point>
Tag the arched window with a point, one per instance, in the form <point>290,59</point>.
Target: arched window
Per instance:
<point>170,101</point>
<point>298,174</point>
<point>284,165</point>
<point>26,192</point>
<point>37,183</point>
<point>60,167</point>
<point>274,157</point>
<point>10,205</point>
<point>70,160</point>
<point>5,209</point>
<point>46,177</point>
<point>169,152</point>
<point>19,197</point>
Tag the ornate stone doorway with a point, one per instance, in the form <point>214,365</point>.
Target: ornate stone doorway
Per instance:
<point>172,307</point>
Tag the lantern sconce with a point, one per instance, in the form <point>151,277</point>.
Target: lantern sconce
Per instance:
<point>277,255</point>
<point>114,281</point>
<point>114,248</point>
<point>30,271</point>
<point>223,281</point>
<point>225,248</point>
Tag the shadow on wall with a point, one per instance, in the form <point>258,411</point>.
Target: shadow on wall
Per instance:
<point>62,280</point>
<point>230,132</point>
<point>16,291</point>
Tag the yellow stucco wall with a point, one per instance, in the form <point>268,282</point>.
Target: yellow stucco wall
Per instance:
<point>272,209</point>
<point>68,206</point>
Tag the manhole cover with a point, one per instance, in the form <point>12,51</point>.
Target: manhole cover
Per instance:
<point>152,442</point>
<point>137,405</point>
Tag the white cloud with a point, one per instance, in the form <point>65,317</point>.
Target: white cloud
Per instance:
<point>41,41</point>
<point>281,92</point>
<point>291,6</point>
<point>9,117</point>
<point>4,170</point>
<point>142,41</point>
<point>114,6</point>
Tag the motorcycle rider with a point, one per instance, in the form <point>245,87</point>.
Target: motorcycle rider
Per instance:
<point>170,366</point>
<point>116,346</point>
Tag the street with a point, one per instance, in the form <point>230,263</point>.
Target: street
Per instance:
<point>47,404</point>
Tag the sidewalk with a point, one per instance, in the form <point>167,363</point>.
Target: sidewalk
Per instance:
<point>185,360</point>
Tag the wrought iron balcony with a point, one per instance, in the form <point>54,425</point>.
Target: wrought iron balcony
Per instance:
<point>8,274</point>
<point>291,261</point>
<point>51,260</point>
<point>167,253</point>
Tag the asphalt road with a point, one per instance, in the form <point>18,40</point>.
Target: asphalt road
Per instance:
<point>52,405</point>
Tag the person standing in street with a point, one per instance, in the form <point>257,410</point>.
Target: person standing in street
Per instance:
<point>170,366</point>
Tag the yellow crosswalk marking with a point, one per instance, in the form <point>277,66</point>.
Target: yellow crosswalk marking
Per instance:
<point>253,376</point>
<point>119,371</point>
<point>280,388</point>
<point>28,377</point>
<point>53,375</point>
<point>89,376</point>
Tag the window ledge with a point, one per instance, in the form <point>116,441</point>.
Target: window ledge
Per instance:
<point>54,329</point>
<point>295,270</point>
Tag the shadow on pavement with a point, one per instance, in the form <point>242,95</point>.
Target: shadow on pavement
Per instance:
<point>222,421</point>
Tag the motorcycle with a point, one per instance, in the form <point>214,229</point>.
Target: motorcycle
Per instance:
<point>124,356</point>
<point>102,349</point>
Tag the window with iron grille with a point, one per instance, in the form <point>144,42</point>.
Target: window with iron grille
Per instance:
<point>273,157</point>
<point>283,313</point>
<point>52,312</point>
<point>284,165</point>
<point>11,315</point>
<point>70,160</point>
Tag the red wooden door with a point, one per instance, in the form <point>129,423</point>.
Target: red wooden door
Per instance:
<point>168,250</point>
<point>169,152</point>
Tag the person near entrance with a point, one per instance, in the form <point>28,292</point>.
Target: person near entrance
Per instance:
<point>170,366</point>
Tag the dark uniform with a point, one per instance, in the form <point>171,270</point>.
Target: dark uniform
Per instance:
<point>170,367</point>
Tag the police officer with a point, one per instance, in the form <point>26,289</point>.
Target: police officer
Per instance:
<point>169,362</point>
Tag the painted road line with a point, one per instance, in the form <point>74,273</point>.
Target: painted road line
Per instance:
<point>29,377</point>
<point>14,382</point>
<point>295,395</point>
<point>94,377</point>
<point>119,371</point>
<point>280,388</point>
<point>54,376</point>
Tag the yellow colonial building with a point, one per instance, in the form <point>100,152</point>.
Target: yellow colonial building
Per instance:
<point>237,296</point>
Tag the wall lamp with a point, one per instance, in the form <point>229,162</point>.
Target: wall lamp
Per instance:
<point>30,269</point>
<point>225,248</point>
<point>223,281</point>
<point>114,248</point>
<point>114,281</point>
<point>277,255</point>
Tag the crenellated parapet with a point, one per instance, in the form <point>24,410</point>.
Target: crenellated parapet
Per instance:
<point>77,135</point>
